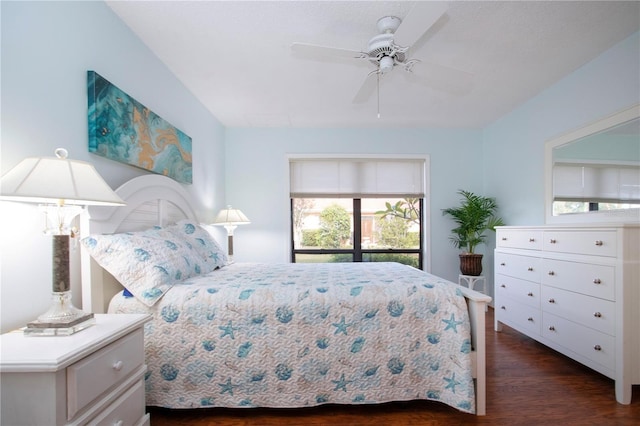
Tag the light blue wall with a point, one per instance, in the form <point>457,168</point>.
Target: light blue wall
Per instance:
<point>514,145</point>
<point>257,180</point>
<point>47,48</point>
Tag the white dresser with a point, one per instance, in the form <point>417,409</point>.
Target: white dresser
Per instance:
<point>94,377</point>
<point>577,290</point>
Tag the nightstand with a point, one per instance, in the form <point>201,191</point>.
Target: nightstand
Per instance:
<point>95,376</point>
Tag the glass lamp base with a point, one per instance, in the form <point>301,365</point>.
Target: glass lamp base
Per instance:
<point>62,318</point>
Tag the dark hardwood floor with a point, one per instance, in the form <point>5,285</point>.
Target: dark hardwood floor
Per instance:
<point>528,384</point>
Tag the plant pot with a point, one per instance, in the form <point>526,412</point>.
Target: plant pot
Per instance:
<point>471,264</point>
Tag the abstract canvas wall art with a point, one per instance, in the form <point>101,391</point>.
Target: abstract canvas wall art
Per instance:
<point>122,129</point>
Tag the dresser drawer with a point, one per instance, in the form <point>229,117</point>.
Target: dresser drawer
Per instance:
<point>513,265</point>
<point>522,291</point>
<point>594,345</point>
<point>597,243</point>
<point>95,374</point>
<point>128,409</point>
<point>585,278</point>
<point>592,312</point>
<point>519,315</point>
<point>520,239</point>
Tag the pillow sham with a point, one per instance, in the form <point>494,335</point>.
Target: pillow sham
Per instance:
<point>147,263</point>
<point>202,242</point>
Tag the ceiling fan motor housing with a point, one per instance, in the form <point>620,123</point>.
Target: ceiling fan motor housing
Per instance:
<point>381,49</point>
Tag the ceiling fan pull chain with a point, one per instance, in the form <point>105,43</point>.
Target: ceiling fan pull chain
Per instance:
<point>378,77</point>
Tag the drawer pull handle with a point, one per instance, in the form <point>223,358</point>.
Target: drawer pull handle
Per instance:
<point>597,315</point>
<point>502,264</point>
<point>531,240</point>
<point>597,281</point>
<point>552,300</point>
<point>551,273</point>
<point>597,347</point>
<point>599,243</point>
<point>504,238</point>
<point>118,365</point>
<point>530,269</point>
<point>503,308</point>
<point>530,319</point>
<point>503,286</point>
<point>552,241</point>
<point>552,328</point>
<point>530,294</point>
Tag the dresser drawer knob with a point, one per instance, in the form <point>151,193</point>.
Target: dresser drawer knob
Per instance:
<point>504,238</point>
<point>532,240</point>
<point>599,243</point>
<point>551,273</point>
<point>530,319</point>
<point>503,264</point>
<point>530,294</point>
<point>118,365</point>
<point>552,241</point>
<point>597,281</point>
<point>503,286</point>
<point>552,300</point>
<point>530,269</point>
<point>597,347</point>
<point>597,315</point>
<point>552,328</point>
<point>503,308</point>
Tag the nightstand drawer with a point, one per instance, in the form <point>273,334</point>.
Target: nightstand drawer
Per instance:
<point>92,376</point>
<point>128,409</point>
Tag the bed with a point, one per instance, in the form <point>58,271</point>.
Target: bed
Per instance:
<point>279,335</point>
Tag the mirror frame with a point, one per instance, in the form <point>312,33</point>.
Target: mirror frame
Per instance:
<point>613,216</point>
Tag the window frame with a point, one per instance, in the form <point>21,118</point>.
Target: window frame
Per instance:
<point>357,251</point>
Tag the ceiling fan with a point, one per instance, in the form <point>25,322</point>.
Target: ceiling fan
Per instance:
<point>390,49</point>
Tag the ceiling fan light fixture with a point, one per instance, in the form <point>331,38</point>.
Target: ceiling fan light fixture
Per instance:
<point>386,64</point>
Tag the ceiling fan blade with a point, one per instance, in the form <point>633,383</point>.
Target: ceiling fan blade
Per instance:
<point>441,77</point>
<point>420,18</point>
<point>368,87</point>
<point>323,51</point>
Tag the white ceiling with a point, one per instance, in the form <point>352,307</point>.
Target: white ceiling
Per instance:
<point>236,58</point>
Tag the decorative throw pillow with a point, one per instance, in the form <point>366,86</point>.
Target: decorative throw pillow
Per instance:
<point>201,241</point>
<point>146,263</point>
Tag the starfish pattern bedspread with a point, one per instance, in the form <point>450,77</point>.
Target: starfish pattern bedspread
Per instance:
<point>299,335</point>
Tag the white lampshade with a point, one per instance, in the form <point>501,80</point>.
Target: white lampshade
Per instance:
<point>57,180</point>
<point>231,216</point>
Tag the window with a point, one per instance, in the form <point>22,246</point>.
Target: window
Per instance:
<point>583,187</point>
<point>357,210</point>
<point>357,230</point>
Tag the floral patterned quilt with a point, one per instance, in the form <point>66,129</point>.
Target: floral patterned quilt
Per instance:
<point>298,335</point>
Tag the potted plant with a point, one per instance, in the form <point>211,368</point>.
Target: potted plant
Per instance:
<point>474,216</point>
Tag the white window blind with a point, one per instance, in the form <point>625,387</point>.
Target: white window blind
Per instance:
<point>578,182</point>
<point>357,178</point>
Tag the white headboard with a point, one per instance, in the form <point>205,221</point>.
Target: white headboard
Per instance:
<point>151,200</point>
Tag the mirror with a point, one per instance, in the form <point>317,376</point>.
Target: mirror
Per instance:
<point>593,173</point>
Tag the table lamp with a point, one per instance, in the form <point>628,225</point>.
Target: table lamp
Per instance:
<point>230,218</point>
<point>62,187</point>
